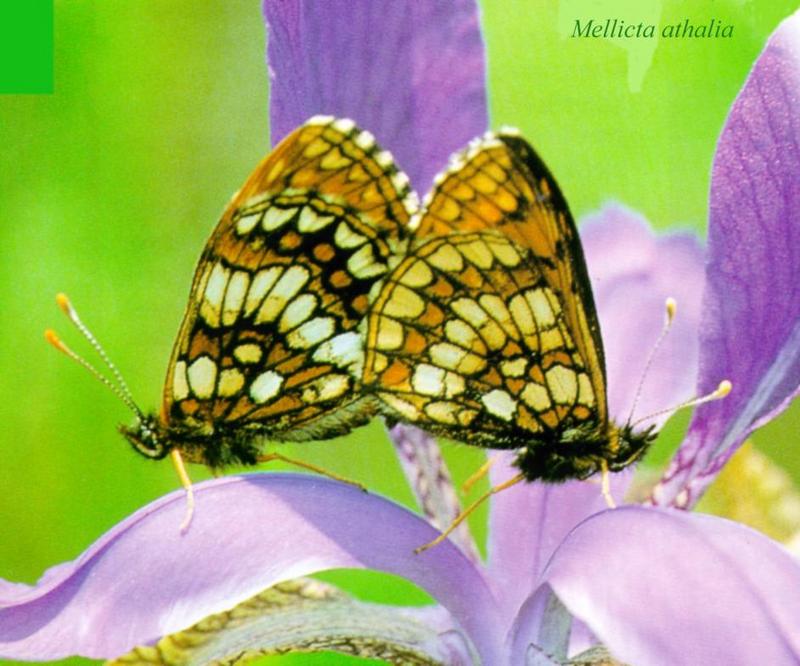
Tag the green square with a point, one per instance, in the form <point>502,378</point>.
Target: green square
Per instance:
<point>26,46</point>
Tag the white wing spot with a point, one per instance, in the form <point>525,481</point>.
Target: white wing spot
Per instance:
<point>266,386</point>
<point>428,380</point>
<point>402,407</point>
<point>365,140</point>
<point>262,283</point>
<point>345,350</point>
<point>311,221</point>
<point>275,217</point>
<point>462,334</point>
<point>385,159</point>
<point>500,404</point>
<point>180,388</point>
<point>346,238</point>
<point>202,375</point>
<point>456,358</point>
<point>245,224</point>
<point>320,120</point>
<point>470,311</point>
<point>311,333</point>
<point>563,384</point>
<point>214,292</point>
<point>325,388</point>
<point>400,181</point>
<point>344,125</point>
<point>300,309</point>
<point>234,297</point>
<point>292,281</point>
<point>363,265</point>
<point>443,411</point>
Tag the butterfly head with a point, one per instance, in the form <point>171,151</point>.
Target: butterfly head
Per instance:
<point>625,446</point>
<point>578,453</point>
<point>148,437</point>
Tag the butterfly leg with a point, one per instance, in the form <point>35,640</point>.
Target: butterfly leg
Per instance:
<point>463,515</point>
<point>267,457</point>
<point>478,474</point>
<point>186,482</point>
<point>605,485</point>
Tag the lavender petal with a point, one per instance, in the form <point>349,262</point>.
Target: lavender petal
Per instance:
<point>412,73</point>
<point>528,522</point>
<point>660,586</point>
<point>145,579</point>
<point>751,323</point>
<point>633,271</point>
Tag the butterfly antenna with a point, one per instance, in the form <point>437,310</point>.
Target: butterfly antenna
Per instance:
<point>120,389</point>
<point>724,388</point>
<point>671,307</point>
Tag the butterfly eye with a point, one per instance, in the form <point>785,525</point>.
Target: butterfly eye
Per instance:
<point>145,438</point>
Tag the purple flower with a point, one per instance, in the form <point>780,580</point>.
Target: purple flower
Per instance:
<point>750,330</point>
<point>655,585</point>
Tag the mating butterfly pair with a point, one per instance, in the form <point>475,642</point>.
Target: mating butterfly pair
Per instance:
<point>326,296</point>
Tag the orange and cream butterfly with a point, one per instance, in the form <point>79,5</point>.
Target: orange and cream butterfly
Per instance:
<point>326,296</point>
<point>486,332</point>
<point>269,347</point>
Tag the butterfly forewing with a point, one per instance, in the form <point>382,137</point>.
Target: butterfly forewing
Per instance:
<point>468,339</point>
<point>269,338</point>
<point>500,183</point>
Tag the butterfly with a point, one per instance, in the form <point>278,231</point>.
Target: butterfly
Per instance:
<point>327,295</point>
<point>269,347</point>
<point>486,331</point>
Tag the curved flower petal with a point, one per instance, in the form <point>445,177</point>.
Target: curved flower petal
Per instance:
<point>412,73</point>
<point>527,523</point>
<point>544,618</point>
<point>145,579</point>
<point>751,322</point>
<point>633,271</point>
<point>660,586</point>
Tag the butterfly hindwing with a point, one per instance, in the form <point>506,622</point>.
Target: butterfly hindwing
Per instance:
<point>467,340</point>
<point>507,348</point>
<point>269,338</point>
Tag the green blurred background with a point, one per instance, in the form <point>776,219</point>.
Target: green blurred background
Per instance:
<point>110,186</point>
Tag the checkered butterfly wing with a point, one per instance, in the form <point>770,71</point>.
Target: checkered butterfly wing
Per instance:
<point>486,332</point>
<point>269,337</point>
